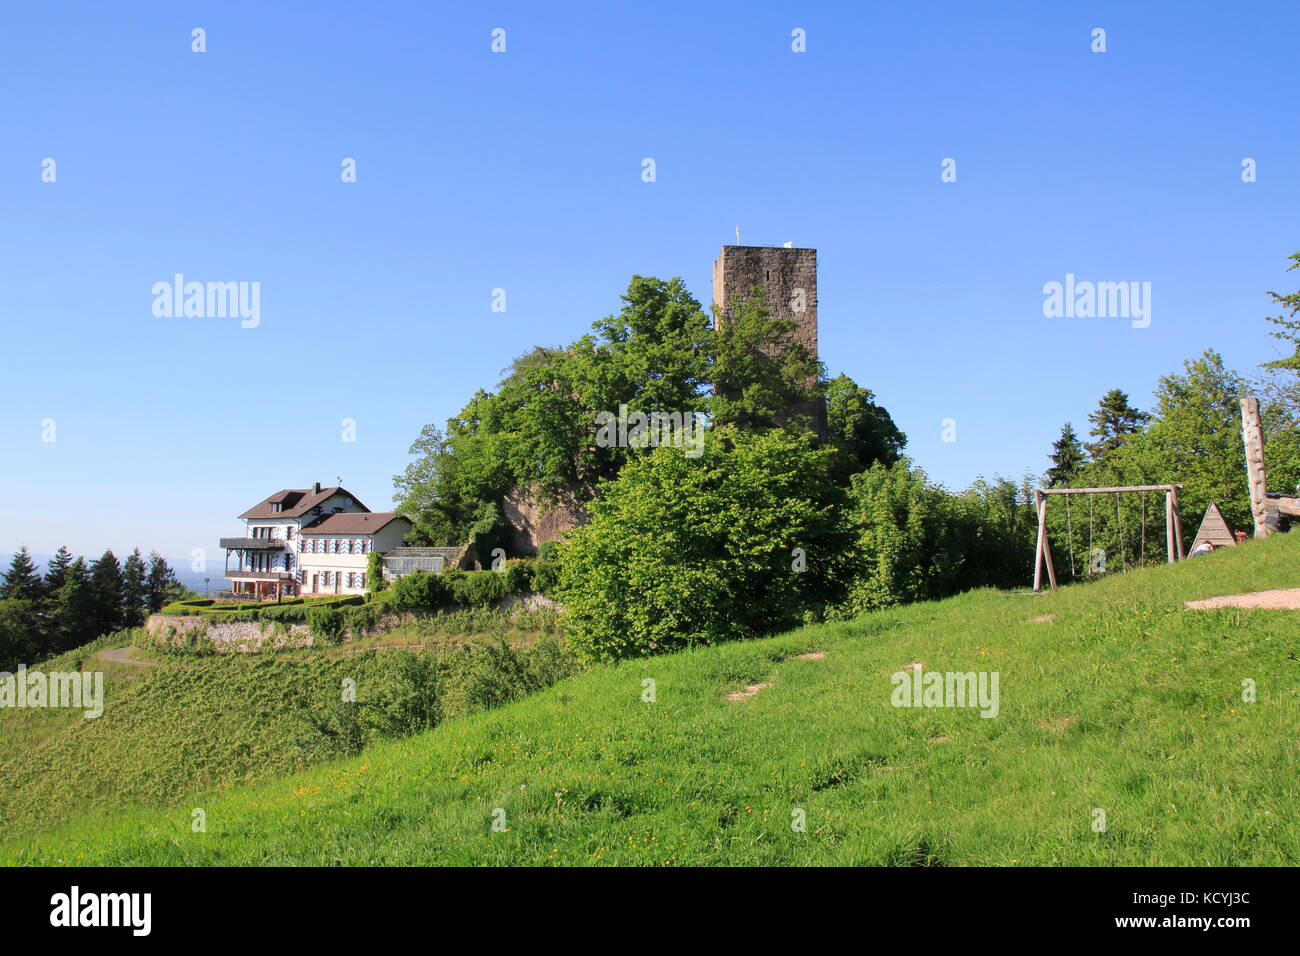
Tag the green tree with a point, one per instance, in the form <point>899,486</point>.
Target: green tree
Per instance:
<point>1288,323</point>
<point>1113,422</point>
<point>106,592</point>
<point>742,541</point>
<point>134,592</point>
<point>72,611</point>
<point>21,581</point>
<point>1067,458</point>
<point>20,633</point>
<point>863,430</point>
<point>905,544</point>
<point>161,586</point>
<point>1196,438</point>
<point>56,571</point>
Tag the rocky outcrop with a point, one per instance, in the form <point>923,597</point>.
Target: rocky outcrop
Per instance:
<point>534,520</point>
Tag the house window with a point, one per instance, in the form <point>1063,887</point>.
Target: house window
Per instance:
<point>349,579</point>
<point>288,561</point>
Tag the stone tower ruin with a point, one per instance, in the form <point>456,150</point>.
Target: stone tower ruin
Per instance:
<point>788,278</point>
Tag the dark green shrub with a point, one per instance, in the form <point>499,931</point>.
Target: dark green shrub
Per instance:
<point>737,543</point>
<point>519,576</point>
<point>408,695</point>
<point>359,619</point>
<point>420,590</point>
<point>546,576</point>
<point>325,624</point>
<point>481,588</point>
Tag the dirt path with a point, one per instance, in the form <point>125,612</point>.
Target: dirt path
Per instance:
<point>118,656</point>
<point>1284,599</point>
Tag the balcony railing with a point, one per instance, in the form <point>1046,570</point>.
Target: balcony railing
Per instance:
<point>237,575</point>
<point>254,544</point>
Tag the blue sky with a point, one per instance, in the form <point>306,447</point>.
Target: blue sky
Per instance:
<point>522,171</point>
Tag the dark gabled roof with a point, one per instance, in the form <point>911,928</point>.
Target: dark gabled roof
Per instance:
<point>349,524</point>
<point>296,502</point>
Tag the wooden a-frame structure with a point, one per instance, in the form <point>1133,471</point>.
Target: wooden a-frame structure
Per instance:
<point>1214,529</point>
<point>1043,552</point>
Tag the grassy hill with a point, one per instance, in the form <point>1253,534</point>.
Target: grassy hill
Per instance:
<point>1113,697</point>
<point>177,724</point>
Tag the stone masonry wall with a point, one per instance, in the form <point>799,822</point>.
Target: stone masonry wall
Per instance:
<point>782,274</point>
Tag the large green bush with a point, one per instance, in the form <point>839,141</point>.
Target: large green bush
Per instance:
<point>683,551</point>
<point>519,575</point>
<point>906,543</point>
<point>420,590</point>
<point>481,588</point>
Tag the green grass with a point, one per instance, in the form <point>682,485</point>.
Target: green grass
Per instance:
<point>1123,701</point>
<point>185,723</point>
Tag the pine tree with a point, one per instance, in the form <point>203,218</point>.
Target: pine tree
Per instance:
<point>106,595</point>
<point>161,585</point>
<point>1113,422</point>
<point>71,612</point>
<point>21,582</point>
<point>1067,458</point>
<point>56,572</point>
<point>133,589</point>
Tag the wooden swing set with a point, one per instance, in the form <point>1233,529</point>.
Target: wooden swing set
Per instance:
<point>1173,524</point>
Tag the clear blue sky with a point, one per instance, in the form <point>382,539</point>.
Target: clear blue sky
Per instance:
<point>523,171</point>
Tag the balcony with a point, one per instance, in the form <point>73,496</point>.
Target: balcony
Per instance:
<point>235,574</point>
<point>254,544</point>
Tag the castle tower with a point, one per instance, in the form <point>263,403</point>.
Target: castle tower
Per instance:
<point>789,279</point>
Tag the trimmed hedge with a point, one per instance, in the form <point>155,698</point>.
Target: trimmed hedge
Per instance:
<point>290,609</point>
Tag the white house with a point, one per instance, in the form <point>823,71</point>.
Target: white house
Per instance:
<point>293,525</point>
<point>333,550</point>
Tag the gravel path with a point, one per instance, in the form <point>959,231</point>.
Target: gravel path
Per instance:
<point>1285,599</point>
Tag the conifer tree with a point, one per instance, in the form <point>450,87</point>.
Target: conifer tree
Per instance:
<point>1067,458</point>
<point>21,582</point>
<point>71,611</point>
<point>57,570</point>
<point>1113,422</point>
<point>134,579</point>
<point>106,587</point>
<point>161,585</point>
